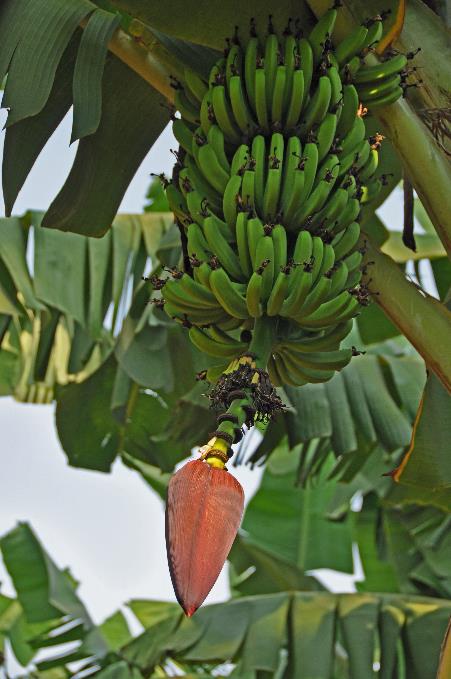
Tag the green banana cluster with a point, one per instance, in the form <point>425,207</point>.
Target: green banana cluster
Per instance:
<point>273,167</point>
<point>291,82</point>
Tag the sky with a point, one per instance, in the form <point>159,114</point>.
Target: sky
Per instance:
<point>108,528</point>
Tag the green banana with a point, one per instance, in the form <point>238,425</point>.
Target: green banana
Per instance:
<point>233,63</point>
<point>303,249</point>
<point>348,111</point>
<point>279,239</point>
<point>290,59</point>
<point>310,153</point>
<point>349,70</point>
<point>328,260</point>
<point>186,109</point>
<point>226,256</point>
<point>177,202</point>
<point>319,292</point>
<point>354,279</point>
<point>211,167</point>
<point>207,345</point>
<point>261,108</point>
<point>278,97</point>
<point>202,185</point>
<point>240,108</point>
<point>317,107</point>
<point>371,190</point>
<point>306,64</point>
<point>194,316</point>
<point>274,177</point>
<point>196,206</point>
<point>278,292</point>
<point>202,274</point>
<point>334,206</point>
<point>318,196</point>
<point>215,138</point>
<point>227,295</point>
<point>250,61</point>
<point>321,32</point>
<point>329,339</point>
<point>331,312</point>
<point>353,261</point>
<point>291,203</point>
<point>206,114</point>
<point>296,101</point>
<point>303,374</point>
<point>353,138</point>
<point>351,45</point>
<point>198,293</point>
<point>321,360</point>
<point>242,243</point>
<point>274,376</point>
<point>255,231</point>
<point>326,134</point>
<point>230,200</point>
<point>264,258</point>
<point>240,159</point>
<point>375,31</point>
<point>317,257</point>
<point>386,99</point>
<point>248,189</point>
<point>336,87</point>
<point>259,157</point>
<point>370,166</point>
<point>198,247</point>
<point>254,295</point>
<point>300,286</point>
<point>270,67</point>
<point>183,134</point>
<point>374,90</point>
<point>338,280</point>
<point>382,70</point>
<point>195,83</point>
<point>346,241</point>
<point>224,115</point>
<point>300,281</point>
<point>285,375</point>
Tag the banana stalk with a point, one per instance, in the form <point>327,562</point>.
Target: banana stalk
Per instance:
<point>153,63</point>
<point>419,316</point>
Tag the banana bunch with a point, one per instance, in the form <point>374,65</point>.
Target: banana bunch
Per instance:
<point>289,83</point>
<point>273,166</point>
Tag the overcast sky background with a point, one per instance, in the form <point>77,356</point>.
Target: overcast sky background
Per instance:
<point>108,528</point>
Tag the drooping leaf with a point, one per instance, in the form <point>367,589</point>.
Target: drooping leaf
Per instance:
<point>48,24</point>
<point>298,530</point>
<point>13,243</point>
<point>313,634</point>
<point>427,464</point>
<point>87,89</point>
<point>107,160</point>
<point>43,590</point>
<point>60,271</point>
<point>25,139</point>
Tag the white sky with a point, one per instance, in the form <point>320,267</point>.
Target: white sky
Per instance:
<point>108,528</point>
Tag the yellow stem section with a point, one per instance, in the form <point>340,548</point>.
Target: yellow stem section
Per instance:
<point>208,453</point>
<point>142,61</point>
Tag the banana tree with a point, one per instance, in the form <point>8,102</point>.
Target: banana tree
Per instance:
<point>260,281</point>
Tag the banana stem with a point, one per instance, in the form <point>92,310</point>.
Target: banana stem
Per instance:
<point>422,319</point>
<point>262,340</point>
